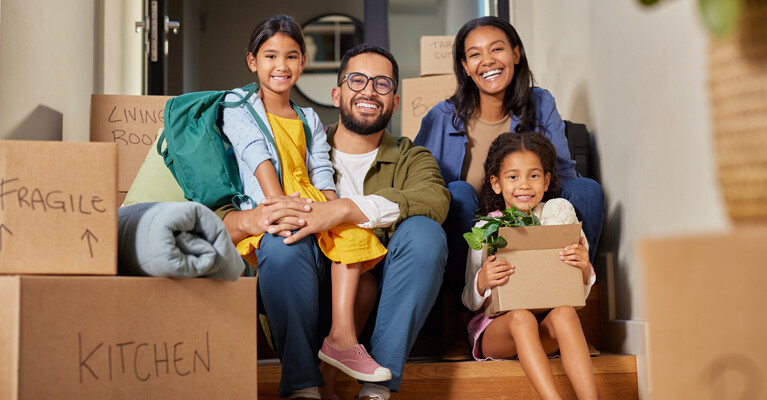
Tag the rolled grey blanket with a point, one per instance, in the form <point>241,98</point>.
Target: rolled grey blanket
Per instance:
<point>175,240</point>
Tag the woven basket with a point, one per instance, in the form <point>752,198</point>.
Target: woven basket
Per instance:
<point>738,90</point>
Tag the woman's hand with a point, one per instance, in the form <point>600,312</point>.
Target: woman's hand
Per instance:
<point>577,256</point>
<point>493,273</point>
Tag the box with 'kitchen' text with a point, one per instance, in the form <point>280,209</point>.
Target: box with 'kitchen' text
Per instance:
<point>540,280</point>
<point>419,95</point>
<point>127,338</point>
<point>57,213</point>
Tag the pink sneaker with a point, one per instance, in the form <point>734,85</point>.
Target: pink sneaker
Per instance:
<point>355,362</point>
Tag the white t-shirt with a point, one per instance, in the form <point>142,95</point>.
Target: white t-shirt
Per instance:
<point>351,170</point>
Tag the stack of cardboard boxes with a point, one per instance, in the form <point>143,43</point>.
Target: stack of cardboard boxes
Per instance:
<point>71,329</point>
<point>437,82</point>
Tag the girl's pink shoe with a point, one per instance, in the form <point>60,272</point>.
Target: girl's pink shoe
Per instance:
<point>355,362</point>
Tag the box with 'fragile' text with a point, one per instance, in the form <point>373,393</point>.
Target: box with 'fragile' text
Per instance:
<point>127,338</point>
<point>57,213</point>
<point>541,280</point>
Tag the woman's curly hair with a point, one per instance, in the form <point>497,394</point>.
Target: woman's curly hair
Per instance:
<point>510,143</point>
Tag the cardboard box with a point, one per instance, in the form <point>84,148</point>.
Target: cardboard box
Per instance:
<point>127,338</point>
<point>132,122</point>
<point>120,198</point>
<point>704,302</point>
<point>419,95</point>
<point>541,280</point>
<point>436,55</point>
<point>57,213</point>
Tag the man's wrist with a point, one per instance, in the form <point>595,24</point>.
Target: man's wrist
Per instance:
<point>352,212</point>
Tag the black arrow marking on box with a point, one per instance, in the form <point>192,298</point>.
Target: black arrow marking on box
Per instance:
<point>1,234</point>
<point>90,235</point>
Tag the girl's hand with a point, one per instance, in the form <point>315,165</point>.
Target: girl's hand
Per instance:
<point>283,214</point>
<point>494,272</point>
<point>577,256</point>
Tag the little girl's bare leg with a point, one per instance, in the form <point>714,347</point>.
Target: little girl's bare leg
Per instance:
<point>344,281</point>
<point>562,330</point>
<point>516,333</point>
<point>367,294</point>
<point>340,348</point>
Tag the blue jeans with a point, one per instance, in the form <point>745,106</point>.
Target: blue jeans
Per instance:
<point>293,281</point>
<point>409,279</point>
<point>290,279</point>
<point>589,202</point>
<point>460,219</point>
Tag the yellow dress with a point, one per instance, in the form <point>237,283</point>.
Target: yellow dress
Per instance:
<point>346,243</point>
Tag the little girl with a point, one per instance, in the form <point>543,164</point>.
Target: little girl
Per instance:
<point>520,171</point>
<point>274,159</point>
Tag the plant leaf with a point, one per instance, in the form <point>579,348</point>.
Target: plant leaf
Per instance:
<point>720,16</point>
<point>474,242</point>
<point>490,229</point>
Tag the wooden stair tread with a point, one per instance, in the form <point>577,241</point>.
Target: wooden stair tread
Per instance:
<point>615,375</point>
<point>605,363</point>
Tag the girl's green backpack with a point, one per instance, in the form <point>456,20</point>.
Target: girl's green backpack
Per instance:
<point>198,153</point>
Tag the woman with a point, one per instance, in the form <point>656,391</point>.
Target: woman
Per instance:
<point>495,94</point>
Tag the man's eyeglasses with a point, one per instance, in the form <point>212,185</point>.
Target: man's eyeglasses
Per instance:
<point>358,81</point>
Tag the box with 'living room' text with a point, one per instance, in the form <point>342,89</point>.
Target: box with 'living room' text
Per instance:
<point>540,280</point>
<point>57,213</point>
<point>131,122</point>
<point>127,338</point>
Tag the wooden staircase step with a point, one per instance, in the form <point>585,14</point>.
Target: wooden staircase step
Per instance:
<point>429,344</point>
<point>616,377</point>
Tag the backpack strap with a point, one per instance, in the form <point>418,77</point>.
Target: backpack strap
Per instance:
<point>307,129</point>
<point>253,88</point>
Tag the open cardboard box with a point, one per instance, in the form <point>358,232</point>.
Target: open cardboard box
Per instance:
<point>127,338</point>
<point>56,208</point>
<point>541,280</point>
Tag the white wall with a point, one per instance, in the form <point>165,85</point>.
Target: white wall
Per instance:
<point>53,57</point>
<point>637,77</point>
<point>122,48</point>
<point>46,69</point>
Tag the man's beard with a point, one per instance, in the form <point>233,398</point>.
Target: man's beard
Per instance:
<point>361,126</point>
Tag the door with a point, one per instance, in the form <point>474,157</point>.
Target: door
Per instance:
<point>156,27</point>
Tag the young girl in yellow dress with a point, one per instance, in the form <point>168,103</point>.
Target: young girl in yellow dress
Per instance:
<point>274,158</point>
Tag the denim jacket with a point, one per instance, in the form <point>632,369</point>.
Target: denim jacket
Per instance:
<point>448,144</point>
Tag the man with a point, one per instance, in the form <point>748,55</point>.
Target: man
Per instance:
<point>385,183</point>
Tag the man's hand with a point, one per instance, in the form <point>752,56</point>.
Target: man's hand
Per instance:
<point>326,215</point>
<point>278,215</point>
